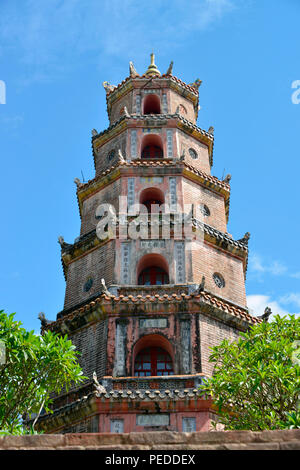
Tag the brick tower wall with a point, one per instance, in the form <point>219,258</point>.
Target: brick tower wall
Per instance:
<point>96,264</point>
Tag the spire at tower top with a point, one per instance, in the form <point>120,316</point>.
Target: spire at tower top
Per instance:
<point>152,69</point>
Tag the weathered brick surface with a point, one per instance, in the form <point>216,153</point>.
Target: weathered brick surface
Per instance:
<point>230,440</point>
<point>96,264</point>
<point>282,435</point>
<point>117,109</point>
<point>293,445</point>
<point>208,260</point>
<point>97,439</point>
<point>196,194</point>
<point>91,342</point>
<point>36,441</point>
<point>87,425</point>
<point>103,159</point>
<point>212,333</point>
<point>108,195</point>
<point>252,446</point>
<point>186,142</point>
<point>153,438</point>
<point>175,101</point>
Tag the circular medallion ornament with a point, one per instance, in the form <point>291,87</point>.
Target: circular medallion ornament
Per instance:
<point>204,210</point>
<point>111,155</point>
<point>88,285</point>
<point>219,280</point>
<point>193,153</point>
<point>182,109</point>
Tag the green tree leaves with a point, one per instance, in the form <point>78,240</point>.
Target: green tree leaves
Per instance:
<point>256,380</point>
<point>34,367</point>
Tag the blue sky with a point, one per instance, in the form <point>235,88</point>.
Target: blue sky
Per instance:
<point>55,54</point>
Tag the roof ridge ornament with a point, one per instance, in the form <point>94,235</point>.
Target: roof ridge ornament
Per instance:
<point>132,71</point>
<point>227,179</point>
<point>78,183</point>
<point>108,87</point>
<point>201,286</point>
<point>196,84</point>
<point>120,156</point>
<point>62,243</point>
<point>245,238</point>
<point>152,69</point>
<point>44,321</point>
<point>265,316</point>
<point>170,69</point>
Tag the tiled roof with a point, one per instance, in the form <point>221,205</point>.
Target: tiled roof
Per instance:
<point>112,126</point>
<point>185,85</point>
<point>193,126</point>
<point>68,408</point>
<point>202,298</point>
<point>154,117</point>
<point>166,162</point>
<point>230,308</point>
<point>123,396</point>
<point>159,118</point>
<point>150,395</point>
<point>164,76</point>
<point>220,235</point>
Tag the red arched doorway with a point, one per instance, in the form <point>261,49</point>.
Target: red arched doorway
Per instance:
<point>153,356</point>
<point>152,104</point>
<point>150,197</point>
<point>152,271</point>
<point>152,147</point>
<point>153,361</point>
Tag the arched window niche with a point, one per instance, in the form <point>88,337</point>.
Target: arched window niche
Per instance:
<point>151,198</point>
<point>153,356</point>
<point>151,104</point>
<point>152,147</point>
<point>152,270</point>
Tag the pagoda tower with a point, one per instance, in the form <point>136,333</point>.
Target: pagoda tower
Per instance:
<point>154,280</point>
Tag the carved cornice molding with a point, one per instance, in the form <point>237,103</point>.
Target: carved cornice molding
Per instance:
<point>159,167</point>
<point>159,120</point>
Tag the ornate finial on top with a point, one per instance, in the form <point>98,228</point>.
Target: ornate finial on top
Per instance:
<point>133,73</point>
<point>152,69</point>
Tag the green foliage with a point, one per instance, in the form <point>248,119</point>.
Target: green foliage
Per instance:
<point>33,367</point>
<point>256,380</point>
